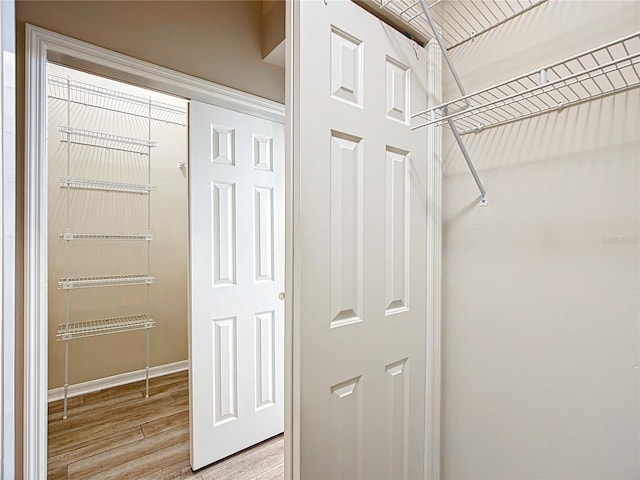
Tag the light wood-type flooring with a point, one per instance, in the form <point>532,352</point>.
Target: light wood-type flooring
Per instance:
<point>119,434</point>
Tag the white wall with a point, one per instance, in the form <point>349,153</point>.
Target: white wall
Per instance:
<point>541,289</point>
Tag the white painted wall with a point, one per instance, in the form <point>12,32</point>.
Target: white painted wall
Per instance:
<point>541,299</point>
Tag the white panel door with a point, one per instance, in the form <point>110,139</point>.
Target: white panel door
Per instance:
<point>360,240</point>
<point>236,337</point>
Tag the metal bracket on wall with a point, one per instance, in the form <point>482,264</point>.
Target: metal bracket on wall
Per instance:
<point>436,34</point>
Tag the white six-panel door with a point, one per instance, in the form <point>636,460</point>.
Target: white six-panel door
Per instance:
<point>360,208</point>
<point>236,336</point>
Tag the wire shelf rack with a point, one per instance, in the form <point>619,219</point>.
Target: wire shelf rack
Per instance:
<point>104,326</point>
<point>104,236</point>
<point>91,95</point>
<point>459,20</point>
<point>105,140</point>
<point>85,184</point>
<point>105,281</point>
<point>602,71</point>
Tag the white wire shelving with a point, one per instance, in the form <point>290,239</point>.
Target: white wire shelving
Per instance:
<point>86,184</point>
<point>601,71</point>
<point>70,283</point>
<point>105,140</point>
<point>459,20</point>
<point>104,326</point>
<point>105,236</point>
<point>74,92</point>
<point>91,95</point>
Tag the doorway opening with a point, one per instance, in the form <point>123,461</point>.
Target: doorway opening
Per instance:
<point>118,275</point>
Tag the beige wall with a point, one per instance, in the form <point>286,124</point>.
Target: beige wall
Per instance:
<point>108,212</point>
<point>219,41</point>
<point>541,298</point>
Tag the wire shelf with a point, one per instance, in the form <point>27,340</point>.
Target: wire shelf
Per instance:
<point>85,184</point>
<point>605,70</point>
<point>104,326</point>
<point>91,95</point>
<point>459,20</point>
<point>105,140</point>
<point>103,236</point>
<point>105,281</point>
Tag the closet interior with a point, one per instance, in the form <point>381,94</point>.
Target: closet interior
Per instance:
<point>117,181</point>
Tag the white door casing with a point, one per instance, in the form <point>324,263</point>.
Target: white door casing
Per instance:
<point>236,337</point>
<point>360,208</point>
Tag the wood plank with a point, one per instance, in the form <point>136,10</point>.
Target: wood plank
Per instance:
<point>84,409</point>
<point>124,410</point>
<point>179,471</point>
<point>57,473</point>
<point>59,447</point>
<point>166,423</point>
<point>250,465</point>
<point>79,436</point>
<point>109,460</point>
<point>139,386</point>
<point>276,473</point>
<point>147,464</point>
<point>94,447</point>
<point>58,405</point>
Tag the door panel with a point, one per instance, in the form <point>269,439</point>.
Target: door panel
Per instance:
<point>237,272</point>
<point>361,209</point>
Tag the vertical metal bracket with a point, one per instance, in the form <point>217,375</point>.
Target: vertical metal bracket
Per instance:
<point>484,201</point>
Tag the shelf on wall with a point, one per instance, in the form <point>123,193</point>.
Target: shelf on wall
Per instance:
<point>91,95</point>
<point>461,20</point>
<point>85,184</point>
<point>601,71</point>
<point>104,326</point>
<point>103,236</point>
<point>105,281</point>
<point>105,140</point>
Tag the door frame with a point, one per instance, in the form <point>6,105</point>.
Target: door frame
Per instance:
<point>433,314</point>
<point>42,46</point>
<point>7,231</point>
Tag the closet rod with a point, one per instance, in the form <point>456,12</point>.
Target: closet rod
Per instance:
<point>484,201</point>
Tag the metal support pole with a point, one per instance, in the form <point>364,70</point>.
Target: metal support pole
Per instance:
<point>147,369</point>
<point>436,33</point>
<point>66,377</point>
<point>445,53</point>
<point>484,201</point>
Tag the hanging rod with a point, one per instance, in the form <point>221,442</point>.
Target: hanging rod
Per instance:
<point>105,140</point>
<point>605,70</point>
<point>461,21</point>
<point>91,95</point>
<point>104,326</point>
<point>103,236</point>
<point>84,184</point>
<point>105,281</point>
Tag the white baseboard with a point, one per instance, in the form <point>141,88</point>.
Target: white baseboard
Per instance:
<point>116,380</point>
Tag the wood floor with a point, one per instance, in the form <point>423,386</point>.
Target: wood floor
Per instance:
<point>119,434</point>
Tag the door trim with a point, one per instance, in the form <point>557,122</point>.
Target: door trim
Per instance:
<point>7,231</point>
<point>433,315</point>
<point>40,46</point>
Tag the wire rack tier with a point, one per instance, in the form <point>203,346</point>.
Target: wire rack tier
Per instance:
<point>459,20</point>
<point>86,184</point>
<point>69,283</point>
<point>104,236</point>
<point>105,140</point>
<point>91,95</point>
<point>104,326</point>
<point>605,70</point>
